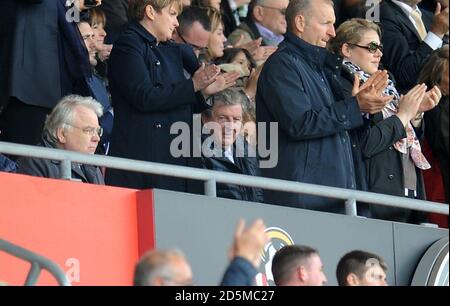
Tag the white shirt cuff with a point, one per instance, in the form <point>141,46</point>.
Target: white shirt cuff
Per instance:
<point>434,41</point>
<point>233,5</point>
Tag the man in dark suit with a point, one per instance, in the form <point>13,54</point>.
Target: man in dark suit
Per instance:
<point>410,35</point>
<point>116,18</point>
<point>46,60</point>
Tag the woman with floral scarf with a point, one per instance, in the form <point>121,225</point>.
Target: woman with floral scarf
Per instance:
<point>387,151</point>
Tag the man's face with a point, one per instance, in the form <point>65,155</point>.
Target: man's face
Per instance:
<point>229,118</point>
<point>315,275</point>
<point>274,16</point>
<point>374,276</point>
<point>81,134</point>
<point>317,26</point>
<point>89,41</point>
<point>197,37</point>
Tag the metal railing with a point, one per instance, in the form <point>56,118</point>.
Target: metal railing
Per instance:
<point>38,263</point>
<point>211,178</point>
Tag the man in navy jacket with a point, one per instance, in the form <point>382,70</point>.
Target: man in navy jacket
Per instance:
<point>296,89</point>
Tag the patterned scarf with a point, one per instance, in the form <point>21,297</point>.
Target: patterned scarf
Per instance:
<point>411,141</point>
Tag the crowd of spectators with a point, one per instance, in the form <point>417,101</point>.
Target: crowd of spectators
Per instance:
<point>360,104</point>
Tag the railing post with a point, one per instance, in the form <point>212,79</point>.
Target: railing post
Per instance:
<point>33,274</point>
<point>66,169</point>
<point>210,188</point>
<point>350,208</point>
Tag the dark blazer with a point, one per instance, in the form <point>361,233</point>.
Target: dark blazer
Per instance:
<point>295,91</point>
<point>229,23</point>
<point>7,27</point>
<point>149,94</point>
<point>51,169</point>
<point>377,163</point>
<point>116,18</point>
<point>48,56</point>
<point>437,127</point>
<point>244,164</point>
<point>404,52</point>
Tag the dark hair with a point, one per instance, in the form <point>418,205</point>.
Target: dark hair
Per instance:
<point>287,259</point>
<point>433,69</point>
<point>357,262</point>
<point>191,15</point>
<point>230,54</point>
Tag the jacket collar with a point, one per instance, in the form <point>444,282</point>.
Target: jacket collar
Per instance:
<point>403,17</point>
<point>139,29</point>
<point>315,54</point>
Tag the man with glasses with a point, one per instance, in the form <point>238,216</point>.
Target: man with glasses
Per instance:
<point>194,29</point>
<point>73,126</point>
<point>266,19</point>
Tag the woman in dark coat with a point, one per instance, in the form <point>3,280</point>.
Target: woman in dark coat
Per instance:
<point>150,93</point>
<point>387,143</point>
<point>435,73</point>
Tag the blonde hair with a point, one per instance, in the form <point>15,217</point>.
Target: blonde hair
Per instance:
<point>351,32</point>
<point>216,21</point>
<point>136,8</point>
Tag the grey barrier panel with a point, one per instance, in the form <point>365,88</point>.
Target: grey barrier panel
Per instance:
<point>203,228</point>
<point>411,242</point>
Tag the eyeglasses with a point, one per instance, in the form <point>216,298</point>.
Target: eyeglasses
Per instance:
<point>91,131</point>
<point>281,10</point>
<point>199,49</point>
<point>372,47</point>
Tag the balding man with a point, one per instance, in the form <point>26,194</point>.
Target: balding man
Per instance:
<point>296,89</point>
<point>266,19</point>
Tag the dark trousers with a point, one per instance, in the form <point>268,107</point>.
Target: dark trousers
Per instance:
<point>22,123</point>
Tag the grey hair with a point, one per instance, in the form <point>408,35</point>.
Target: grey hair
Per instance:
<point>295,8</point>
<point>228,97</point>
<point>156,264</point>
<point>63,113</point>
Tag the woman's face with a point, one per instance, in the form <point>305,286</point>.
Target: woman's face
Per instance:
<point>164,23</point>
<point>368,61</point>
<point>100,34</point>
<point>242,61</point>
<point>217,42</point>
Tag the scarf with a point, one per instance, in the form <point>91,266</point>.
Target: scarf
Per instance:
<point>411,141</point>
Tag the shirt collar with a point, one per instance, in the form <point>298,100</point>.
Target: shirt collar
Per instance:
<point>268,34</point>
<point>406,8</point>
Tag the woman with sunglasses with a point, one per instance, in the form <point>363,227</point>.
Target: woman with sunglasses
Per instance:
<point>386,150</point>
